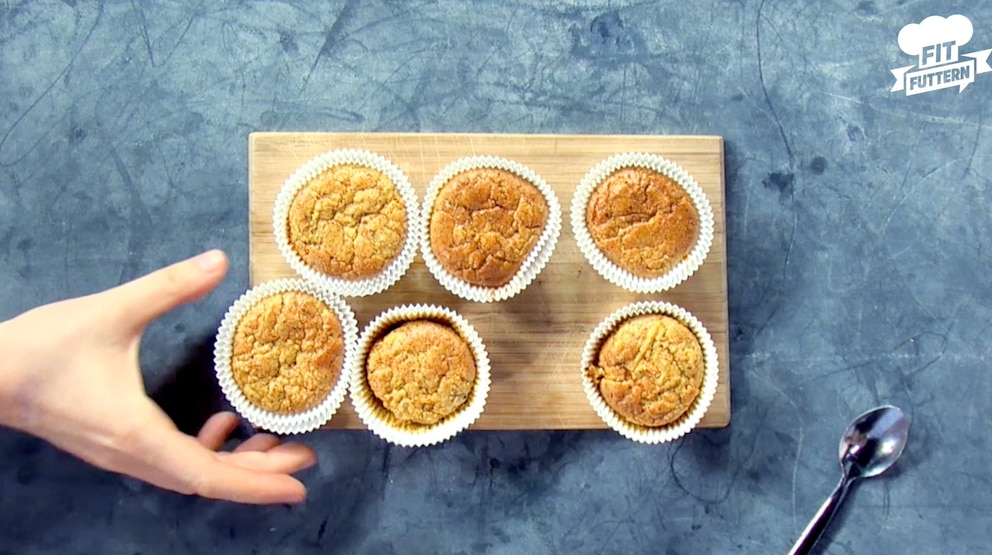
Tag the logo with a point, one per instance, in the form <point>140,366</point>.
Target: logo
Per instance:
<point>935,42</point>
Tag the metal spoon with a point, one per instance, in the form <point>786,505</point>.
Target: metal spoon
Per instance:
<point>871,444</point>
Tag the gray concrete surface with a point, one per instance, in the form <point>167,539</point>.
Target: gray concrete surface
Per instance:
<point>858,226</point>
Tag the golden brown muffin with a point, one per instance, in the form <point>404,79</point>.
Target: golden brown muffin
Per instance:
<point>642,221</point>
<point>421,371</point>
<point>484,223</point>
<point>287,353</point>
<point>650,370</point>
<point>348,222</point>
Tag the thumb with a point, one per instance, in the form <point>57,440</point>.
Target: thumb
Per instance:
<point>148,297</point>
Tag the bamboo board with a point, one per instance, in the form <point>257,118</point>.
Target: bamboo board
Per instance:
<point>535,339</point>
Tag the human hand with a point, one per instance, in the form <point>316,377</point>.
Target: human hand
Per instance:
<point>69,374</point>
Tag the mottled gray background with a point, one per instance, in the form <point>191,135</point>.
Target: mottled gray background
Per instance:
<point>858,223</point>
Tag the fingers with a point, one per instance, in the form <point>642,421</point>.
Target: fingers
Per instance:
<point>218,428</point>
<point>260,453</point>
<point>163,456</point>
<point>234,483</point>
<point>215,431</point>
<point>194,469</point>
<point>152,295</point>
<point>286,459</point>
<point>258,442</point>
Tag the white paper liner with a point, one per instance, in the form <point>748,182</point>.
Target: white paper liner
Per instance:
<point>536,259</point>
<point>308,171</point>
<point>645,434</point>
<point>284,423</point>
<point>378,419</point>
<point>615,274</point>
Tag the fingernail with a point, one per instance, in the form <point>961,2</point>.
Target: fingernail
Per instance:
<point>210,261</point>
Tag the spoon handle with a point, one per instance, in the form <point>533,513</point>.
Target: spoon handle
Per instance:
<point>804,545</point>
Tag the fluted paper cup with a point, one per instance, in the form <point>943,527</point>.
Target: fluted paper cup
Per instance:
<point>690,419</point>
<point>296,423</point>
<point>380,420</point>
<point>611,271</point>
<point>536,259</point>
<point>342,286</point>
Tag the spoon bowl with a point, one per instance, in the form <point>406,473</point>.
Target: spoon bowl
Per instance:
<point>869,447</point>
<point>874,441</point>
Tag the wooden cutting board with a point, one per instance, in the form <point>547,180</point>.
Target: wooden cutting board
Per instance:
<point>535,339</point>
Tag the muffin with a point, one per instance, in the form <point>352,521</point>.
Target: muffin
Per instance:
<point>490,227</point>
<point>484,223</point>
<point>421,371</point>
<point>650,371</point>
<point>347,219</point>
<point>348,222</point>
<point>421,375</point>
<point>282,355</point>
<point>287,352</point>
<point>642,222</point>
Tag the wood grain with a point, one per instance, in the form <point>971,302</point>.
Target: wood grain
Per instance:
<point>534,339</point>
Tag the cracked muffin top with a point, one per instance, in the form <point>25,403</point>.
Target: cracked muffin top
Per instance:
<point>287,353</point>
<point>642,221</point>
<point>348,222</point>
<point>649,369</point>
<point>421,371</point>
<point>484,224</point>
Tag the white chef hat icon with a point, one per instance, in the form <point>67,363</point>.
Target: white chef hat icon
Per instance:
<point>935,30</point>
